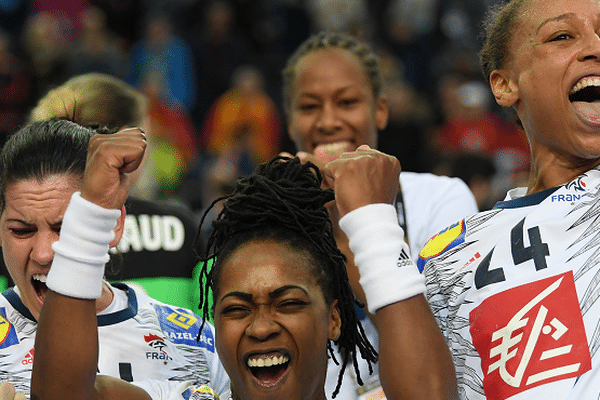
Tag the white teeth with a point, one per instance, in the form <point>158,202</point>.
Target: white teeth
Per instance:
<point>335,147</point>
<point>267,362</point>
<point>585,82</point>
<point>39,277</point>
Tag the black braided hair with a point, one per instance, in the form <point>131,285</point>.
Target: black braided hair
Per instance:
<point>283,200</point>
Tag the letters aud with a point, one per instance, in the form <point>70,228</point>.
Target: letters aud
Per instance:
<point>151,233</point>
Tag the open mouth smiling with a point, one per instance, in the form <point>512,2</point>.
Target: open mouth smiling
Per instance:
<point>268,369</point>
<point>585,99</point>
<point>38,282</point>
<point>586,90</point>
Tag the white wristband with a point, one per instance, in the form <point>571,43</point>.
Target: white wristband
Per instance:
<point>387,272</point>
<point>82,249</point>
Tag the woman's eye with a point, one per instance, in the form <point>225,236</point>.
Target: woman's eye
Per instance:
<point>307,107</point>
<point>235,311</point>
<point>291,305</point>
<point>348,102</point>
<point>562,36</point>
<point>22,232</point>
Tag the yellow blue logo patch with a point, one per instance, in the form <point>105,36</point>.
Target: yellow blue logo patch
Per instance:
<point>182,326</point>
<point>200,393</point>
<point>8,335</point>
<point>441,242</point>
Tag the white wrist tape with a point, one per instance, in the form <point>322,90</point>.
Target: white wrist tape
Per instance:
<point>82,249</point>
<point>387,272</point>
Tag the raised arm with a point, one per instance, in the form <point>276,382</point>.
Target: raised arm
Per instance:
<point>340,237</point>
<point>66,347</point>
<point>415,362</point>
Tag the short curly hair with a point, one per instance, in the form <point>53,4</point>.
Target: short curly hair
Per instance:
<point>336,40</point>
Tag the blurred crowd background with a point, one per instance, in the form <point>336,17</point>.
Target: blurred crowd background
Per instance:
<point>211,71</point>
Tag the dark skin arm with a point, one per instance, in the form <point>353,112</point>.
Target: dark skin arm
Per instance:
<point>66,346</point>
<point>415,362</point>
<point>66,355</point>
<point>408,332</point>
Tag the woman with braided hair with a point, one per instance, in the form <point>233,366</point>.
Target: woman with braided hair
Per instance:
<point>280,292</point>
<point>281,206</point>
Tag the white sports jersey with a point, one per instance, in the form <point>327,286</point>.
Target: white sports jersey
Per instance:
<point>430,203</point>
<point>515,292</point>
<point>145,340</point>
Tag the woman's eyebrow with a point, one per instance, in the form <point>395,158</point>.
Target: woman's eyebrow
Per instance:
<point>279,291</point>
<point>555,19</point>
<point>275,293</point>
<point>242,295</point>
<point>18,220</point>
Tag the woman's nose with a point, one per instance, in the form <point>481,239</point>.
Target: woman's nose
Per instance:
<point>328,121</point>
<point>262,326</point>
<point>42,252</point>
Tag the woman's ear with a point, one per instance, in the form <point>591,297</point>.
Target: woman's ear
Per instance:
<point>382,113</point>
<point>505,90</point>
<point>119,228</point>
<point>335,322</point>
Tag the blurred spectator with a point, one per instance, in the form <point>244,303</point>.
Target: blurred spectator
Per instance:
<point>66,12</point>
<point>409,26</point>
<point>163,54</point>
<point>123,17</point>
<point>15,88</point>
<point>469,126</point>
<point>459,22</point>
<point>457,42</point>
<point>292,22</point>
<point>44,45</point>
<point>172,144</point>
<point>410,118</point>
<point>338,15</point>
<point>97,49</point>
<point>218,50</point>
<point>13,15</point>
<point>477,171</point>
<point>176,10</point>
<point>254,20</point>
<point>244,116</point>
<point>242,129</point>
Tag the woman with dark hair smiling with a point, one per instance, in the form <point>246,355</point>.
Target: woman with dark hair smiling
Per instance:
<point>282,298</point>
<point>515,289</point>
